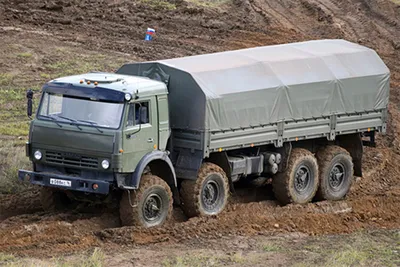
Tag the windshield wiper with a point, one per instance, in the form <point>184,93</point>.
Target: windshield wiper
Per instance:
<point>73,122</point>
<point>94,124</point>
<point>53,119</point>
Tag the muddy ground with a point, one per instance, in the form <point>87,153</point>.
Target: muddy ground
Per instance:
<point>116,29</point>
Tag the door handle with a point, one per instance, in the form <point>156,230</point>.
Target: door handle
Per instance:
<point>150,140</point>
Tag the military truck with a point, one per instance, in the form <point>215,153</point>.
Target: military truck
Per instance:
<point>185,130</point>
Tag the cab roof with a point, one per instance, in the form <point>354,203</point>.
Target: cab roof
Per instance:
<point>122,83</point>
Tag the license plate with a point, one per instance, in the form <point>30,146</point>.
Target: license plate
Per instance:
<point>60,182</point>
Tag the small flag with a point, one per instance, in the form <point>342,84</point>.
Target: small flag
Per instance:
<point>149,34</point>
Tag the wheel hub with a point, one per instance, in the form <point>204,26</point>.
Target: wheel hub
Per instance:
<point>302,179</point>
<point>336,176</point>
<point>152,207</point>
<point>210,195</point>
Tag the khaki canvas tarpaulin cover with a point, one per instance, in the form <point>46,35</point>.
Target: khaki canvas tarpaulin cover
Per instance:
<point>264,85</point>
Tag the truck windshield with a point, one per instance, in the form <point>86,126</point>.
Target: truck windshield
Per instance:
<point>81,111</point>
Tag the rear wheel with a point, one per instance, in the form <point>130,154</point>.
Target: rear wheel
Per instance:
<point>149,206</point>
<point>299,182</point>
<point>53,199</point>
<point>335,173</point>
<point>208,194</point>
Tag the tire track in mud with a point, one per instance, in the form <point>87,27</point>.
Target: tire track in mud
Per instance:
<point>387,26</point>
<point>361,21</point>
<point>272,12</point>
<point>332,10</point>
<point>259,11</point>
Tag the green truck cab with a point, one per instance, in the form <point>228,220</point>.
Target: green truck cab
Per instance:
<point>185,130</point>
<point>94,130</point>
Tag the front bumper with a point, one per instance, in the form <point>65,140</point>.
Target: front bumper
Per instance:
<point>77,183</point>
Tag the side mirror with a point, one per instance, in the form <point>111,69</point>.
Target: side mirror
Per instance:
<point>29,96</point>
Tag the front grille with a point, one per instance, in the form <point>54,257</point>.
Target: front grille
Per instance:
<point>71,159</point>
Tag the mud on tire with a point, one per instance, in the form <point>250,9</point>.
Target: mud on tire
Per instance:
<point>299,182</point>
<point>53,199</point>
<point>148,206</point>
<point>208,194</point>
<point>335,173</point>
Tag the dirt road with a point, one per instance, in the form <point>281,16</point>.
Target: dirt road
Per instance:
<point>188,28</point>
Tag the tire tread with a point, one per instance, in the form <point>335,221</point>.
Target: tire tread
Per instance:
<point>191,189</point>
<point>130,215</point>
<point>281,181</point>
<point>324,156</point>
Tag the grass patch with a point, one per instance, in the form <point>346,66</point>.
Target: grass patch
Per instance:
<point>11,94</point>
<point>24,55</point>
<point>208,3</point>
<point>6,79</point>
<point>12,158</point>
<point>45,76</point>
<point>200,260</point>
<point>13,118</point>
<point>159,4</point>
<point>350,256</point>
<point>15,128</point>
<point>396,2</point>
<point>360,249</point>
<point>6,258</point>
<point>192,261</point>
<point>96,259</point>
<point>271,248</point>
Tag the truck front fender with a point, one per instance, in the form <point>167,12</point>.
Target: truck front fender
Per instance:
<point>160,165</point>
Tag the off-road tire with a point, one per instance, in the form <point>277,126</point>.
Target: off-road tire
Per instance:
<point>329,157</point>
<point>53,199</point>
<point>192,191</point>
<point>284,183</point>
<point>134,216</point>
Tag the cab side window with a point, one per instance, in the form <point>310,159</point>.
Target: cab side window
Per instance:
<point>138,113</point>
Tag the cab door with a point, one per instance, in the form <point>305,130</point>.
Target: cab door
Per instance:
<point>140,133</point>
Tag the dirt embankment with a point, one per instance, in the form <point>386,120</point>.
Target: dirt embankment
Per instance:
<point>191,29</point>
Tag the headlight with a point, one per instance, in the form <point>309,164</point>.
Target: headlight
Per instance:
<point>128,97</point>
<point>105,164</point>
<point>38,155</point>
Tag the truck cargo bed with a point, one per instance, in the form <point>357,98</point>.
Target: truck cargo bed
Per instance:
<point>272,94</point>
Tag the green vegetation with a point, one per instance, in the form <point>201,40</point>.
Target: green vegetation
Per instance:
<point>208,3</point>
<point>271,248</point>
<point>6,79</point>
<point>6,258</point>
<point>380,248</point>
<point>160,4</point>
<point>15,128</point>
<point>199,260</point>
<point>96,259</point>
<point>13,119</point>
<point>359,249</point>
<point>24,55</point>
<point>13,86</point>
<point>189,260</point>
<point>45,76</point>
<point>12,158</point>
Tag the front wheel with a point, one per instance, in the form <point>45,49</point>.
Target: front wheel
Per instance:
<point>208,194</point>
<point>148,206</point>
